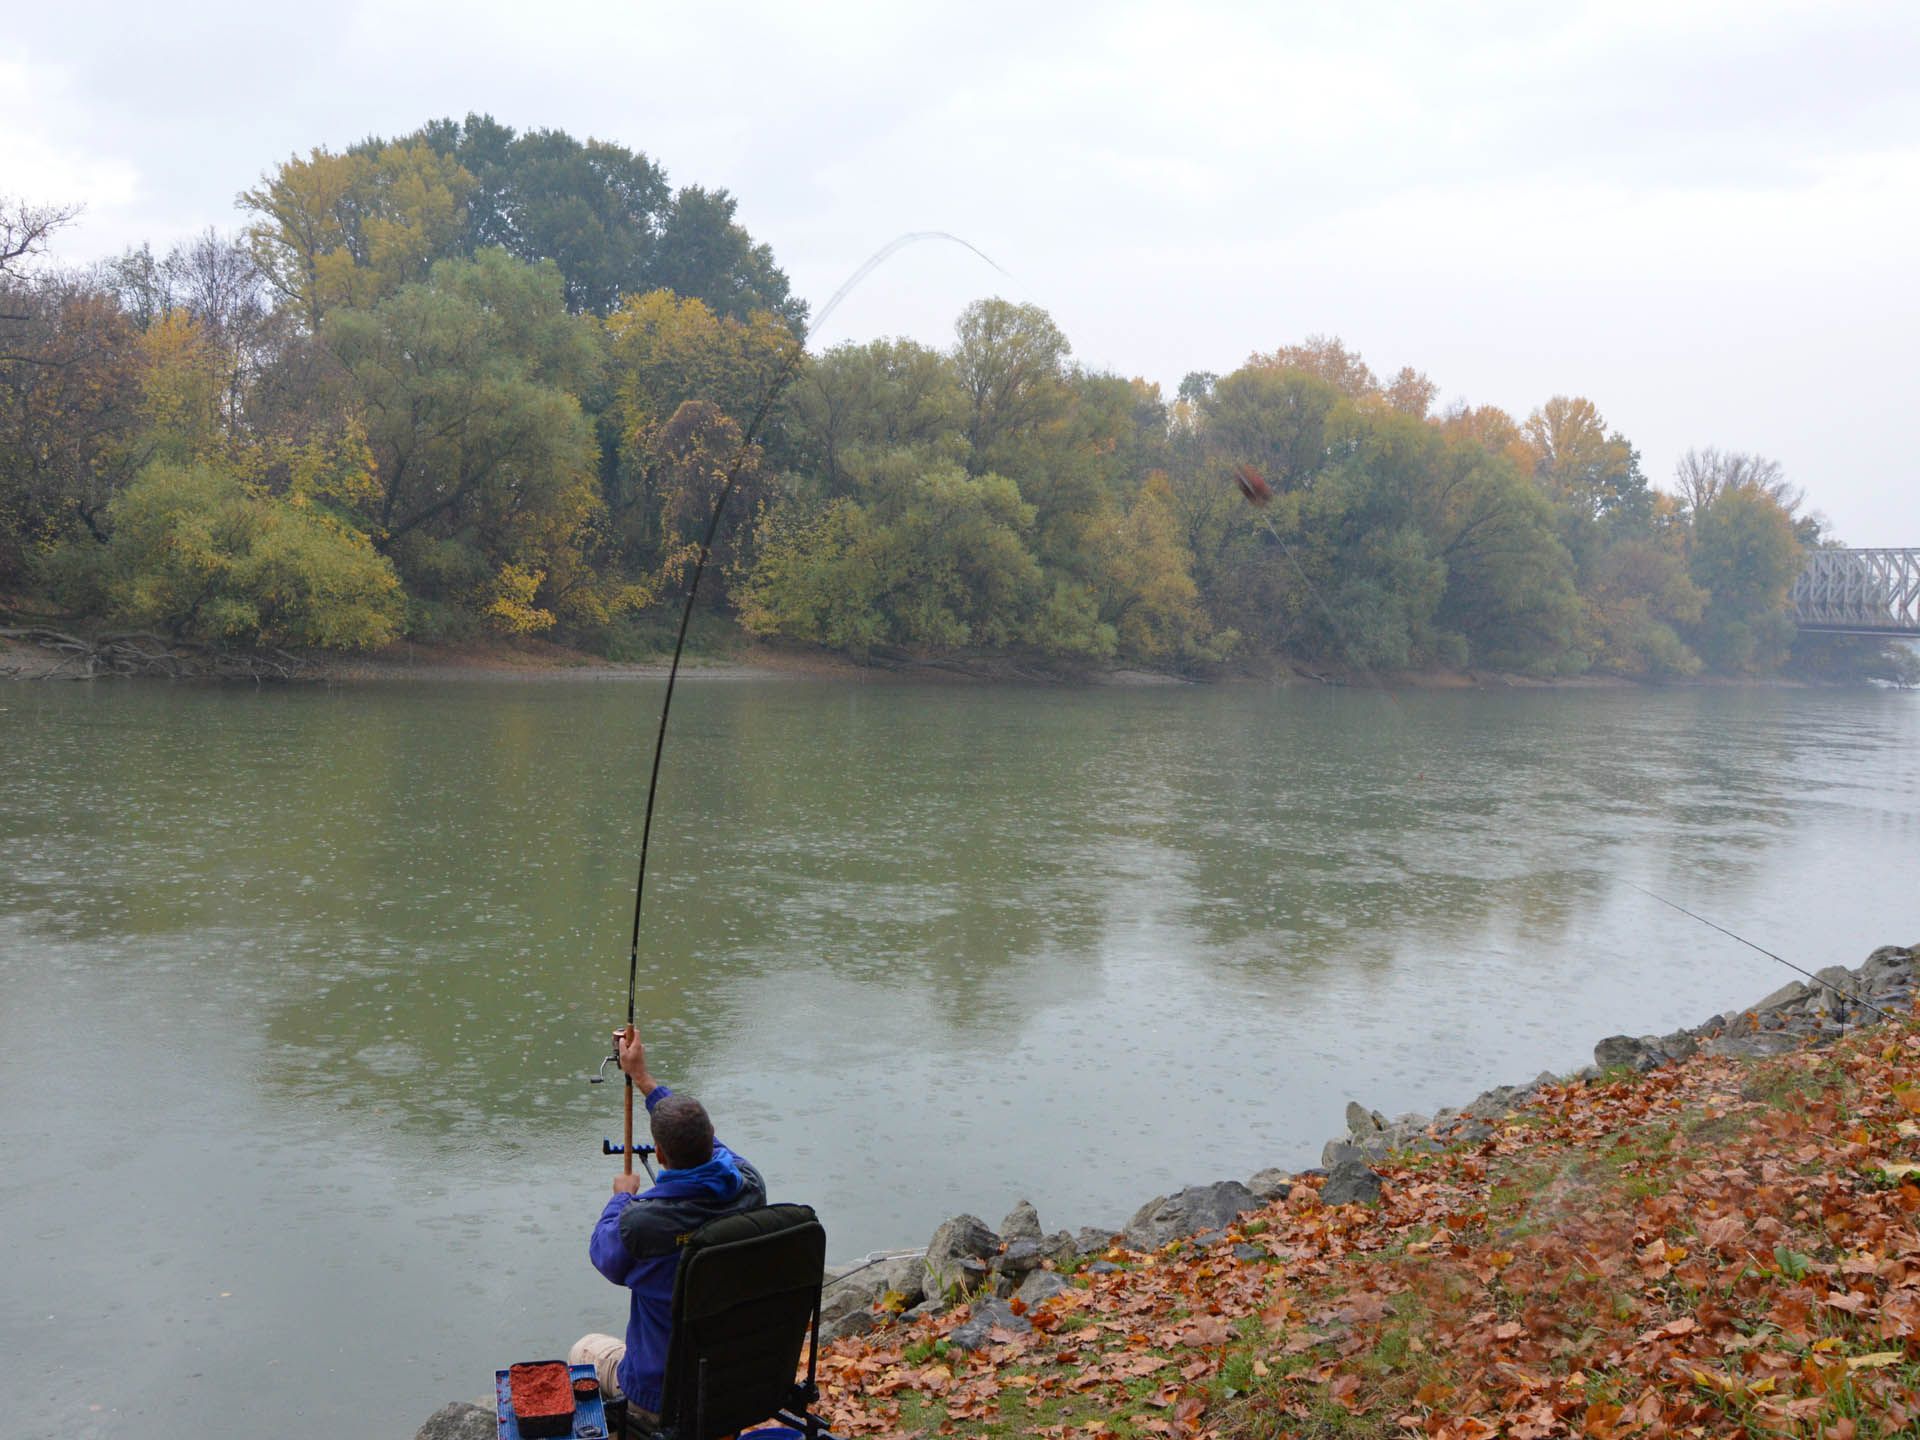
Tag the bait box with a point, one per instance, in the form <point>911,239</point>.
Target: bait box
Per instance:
<point>589,1416</point>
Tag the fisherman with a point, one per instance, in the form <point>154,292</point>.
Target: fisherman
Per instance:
<point>637,1240</point>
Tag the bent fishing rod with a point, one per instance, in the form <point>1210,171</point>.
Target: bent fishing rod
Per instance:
<point>783,375</point>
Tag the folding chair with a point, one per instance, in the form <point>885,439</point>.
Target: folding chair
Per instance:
<point>746,1298</point>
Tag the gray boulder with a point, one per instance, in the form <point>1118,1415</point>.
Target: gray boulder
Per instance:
<point>860,1278</point>
<point>1271,1184</point>
<point>1886,965</point>
<point>988,1315</point>
<point>1042,1285</point>
<point>906,1277</point>
<point>1022,1223</point>
<point>1494,1104</point>
<point>1104,1267</point>
<point>1753,1047</point>
<point>1350,1183</point>
<point>959,1253</point>
<point>1361,1121</point>
<point>1680,1045</point>
<point>1019,1260</point>
<point>1374,1147</point>
<point>1092,1239</point>
<point>458,1420</point>
<point>1835,996</point>
<point>1060,1246</point>
<point>1624,1052</point>
<point>1196,1208</point>
<point>1247,1253</point>
<point>925,1310</point>
<point>1021,1257</point>
<point>845,1310</point>
<point>1791,993</point>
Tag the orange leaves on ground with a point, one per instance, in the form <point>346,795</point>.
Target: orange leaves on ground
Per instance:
<point>1715,1248</point>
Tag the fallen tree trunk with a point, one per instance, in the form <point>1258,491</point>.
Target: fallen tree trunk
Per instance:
<point>143,653</point>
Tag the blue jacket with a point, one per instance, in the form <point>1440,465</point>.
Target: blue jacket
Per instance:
<point>637,1244</point>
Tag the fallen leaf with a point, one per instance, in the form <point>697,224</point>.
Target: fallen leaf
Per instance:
<point>1878,1360</point>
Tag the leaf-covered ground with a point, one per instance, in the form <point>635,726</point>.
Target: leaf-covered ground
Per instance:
<point>1721,1248</point>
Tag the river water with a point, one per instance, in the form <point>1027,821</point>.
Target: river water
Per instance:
<point>301,987</point>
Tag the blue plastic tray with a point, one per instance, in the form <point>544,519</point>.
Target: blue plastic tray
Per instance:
<point>589,1416</point>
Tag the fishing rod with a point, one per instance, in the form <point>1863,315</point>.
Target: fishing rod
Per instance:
<point>782,376</point>
<point>1825,984</point>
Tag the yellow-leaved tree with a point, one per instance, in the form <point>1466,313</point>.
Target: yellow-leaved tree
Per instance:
<point>334,231</point>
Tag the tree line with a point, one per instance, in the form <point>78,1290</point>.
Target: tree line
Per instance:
<point>472,380</point>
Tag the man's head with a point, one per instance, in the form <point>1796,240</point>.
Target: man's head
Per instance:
<point>682,1133</point>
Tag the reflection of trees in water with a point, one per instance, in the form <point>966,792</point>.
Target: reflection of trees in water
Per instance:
<point>437,880</point>
<point>1338,835</point>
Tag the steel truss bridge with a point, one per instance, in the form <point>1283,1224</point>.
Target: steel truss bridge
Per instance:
<point>1858,592</point>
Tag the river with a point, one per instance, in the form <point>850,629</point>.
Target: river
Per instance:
<point>301,987</point>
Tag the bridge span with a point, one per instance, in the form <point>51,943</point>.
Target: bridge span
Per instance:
<point>1858,592</point>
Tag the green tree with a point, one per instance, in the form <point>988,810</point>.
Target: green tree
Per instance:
<point>856,404</point>
<point>1011,360</point>
<point>198,553</point>
<point>705,254</point>
<point>483,458</point>
<point>938,562</point>
<point>608,218</point>
<point>1281,422</point>
<point>1745,556</point>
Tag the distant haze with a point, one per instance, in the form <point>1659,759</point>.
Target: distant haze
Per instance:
<point>1700,215</point>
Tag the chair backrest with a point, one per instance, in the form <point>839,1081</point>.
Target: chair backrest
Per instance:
<point>746,1300</point>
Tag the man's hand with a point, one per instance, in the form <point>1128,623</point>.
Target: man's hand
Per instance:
<point>626,1184</point>
<point>633,1058</point>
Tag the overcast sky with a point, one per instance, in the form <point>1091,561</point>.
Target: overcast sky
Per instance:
<point>1703,216</point>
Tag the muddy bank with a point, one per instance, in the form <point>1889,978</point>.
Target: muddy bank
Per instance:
<point>529,660</point>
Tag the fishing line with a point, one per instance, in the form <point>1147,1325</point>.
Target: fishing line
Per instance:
<point>782,376</point>
<point>1762,949</point>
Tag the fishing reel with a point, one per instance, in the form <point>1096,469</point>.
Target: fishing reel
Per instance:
<point>608,1147</point>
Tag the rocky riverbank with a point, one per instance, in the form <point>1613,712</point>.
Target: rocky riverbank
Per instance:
<point>1002,1273</point>
<point>985,1288</point>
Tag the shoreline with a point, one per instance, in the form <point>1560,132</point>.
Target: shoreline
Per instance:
<point>528,661</point>
<point>997,1265</point>
<point>974,1299</point>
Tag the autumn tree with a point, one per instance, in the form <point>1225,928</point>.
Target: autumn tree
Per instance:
<point>214,282</point>
<point>196,552</point>
<point>1326,358</point>
<point>346,230</point>
<point>1702,476</point>
<point>70,394</point>
<point>467,385</point>
<point>1011,361</point>
<point>706,254</point>
<point>26,230</point>
<point>665,353</point>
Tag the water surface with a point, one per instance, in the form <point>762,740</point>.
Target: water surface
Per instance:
<point>301,987</point>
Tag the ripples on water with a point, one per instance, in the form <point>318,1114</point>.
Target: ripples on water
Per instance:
<point>302,987</point>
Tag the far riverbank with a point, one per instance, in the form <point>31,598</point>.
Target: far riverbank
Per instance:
<point>533,660</point>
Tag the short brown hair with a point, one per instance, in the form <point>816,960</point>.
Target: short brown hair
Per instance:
<point>682,1133</point>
